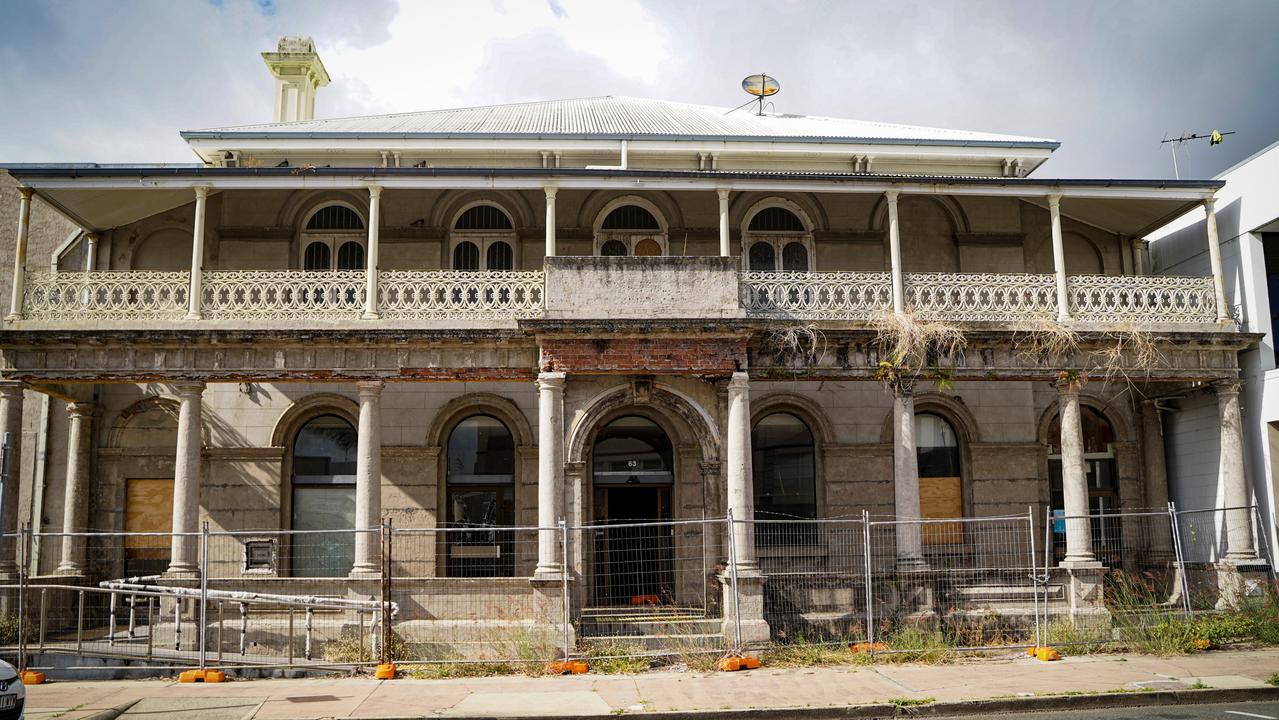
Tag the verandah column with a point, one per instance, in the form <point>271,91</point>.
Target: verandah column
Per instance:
<point>910,546</point>
<point>550,470</point>
<point>1156,471</point>
<point>1074,483</point>
<point>368,480</point>
<point>371,257</point>
<point>75,505</point>
<point>550,220</point>
<point>725,242</point>
<point>11,423</point>
<point>1059,258</point>
<point>1214,256</point>
<point>1240,544</point>
<point>20,254</point>
<point>895,253</point>
<point>195,291</point>
<point>741,496</point>
<point>186,480</point>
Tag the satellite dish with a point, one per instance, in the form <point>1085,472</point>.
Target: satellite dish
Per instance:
<point>761,86</point>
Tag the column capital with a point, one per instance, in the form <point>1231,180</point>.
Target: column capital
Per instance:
<point>201,191</point>
<point>375,191</point>
<point>1227,388</point>
<point>723,193</point>
<point>550,380</point>
<point>1054,201</point>
<point>26,192</point>
<point>902,386</point>
<point>739,381</point>
<point>1210,203</point>
<point>551,190</point>
<point>892,195</point>
<point>1068,383</point>
<point>370,388</point>
<point>81,409</point>
<point>188,389</point>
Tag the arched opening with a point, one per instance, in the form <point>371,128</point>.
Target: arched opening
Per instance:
<point>483,238</point>
<point>784,469</point>
<point>1101,475</point>
<point>632,469</point>
<point>630,227</point>
<point>941,485</point>
<point>776,239</point>
<point>480,499</point>
<point>333,239</point>
<point>323,498</point>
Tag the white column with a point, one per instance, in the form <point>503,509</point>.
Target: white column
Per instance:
<point>895,253</point>
<point>725,244</point>
<point>75,504</point>
<point>185,559</point>
<point>550,220</point>
<point>1240,544</point>
<point>1214,255</point>
<point>741,483</point>
<point>371,255</point>
<point>550,470</point>
<point>20,254</point>
<point>195,297</point>
<point>910,546</point>
<point>90,252</point>
<point>1074,483</point>
<point>368,480</point>
<point>11,423</point>
<point>1059,258</point>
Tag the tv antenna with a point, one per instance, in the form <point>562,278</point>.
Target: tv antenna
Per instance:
<point>758,87</point>
<point>1216,137</point>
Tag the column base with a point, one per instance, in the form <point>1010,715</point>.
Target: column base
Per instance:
<point>364,572</point>
<point>549,614</point>
<point>1238,580</point>
<point>1080,564</point>
<point>371,316</point>
<point>73,570</point>
<point>181,572</point>
<point>750,606</point>
<point>548,574</point>
<point>1086,591</point>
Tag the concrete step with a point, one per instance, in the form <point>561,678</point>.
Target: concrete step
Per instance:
<point>656,644</point>
<point>664,627</point>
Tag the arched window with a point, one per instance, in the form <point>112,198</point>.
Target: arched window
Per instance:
<point>613,248</point>
<point>1100,474</point>
<point>941,488</point>
<point>784,464</point>
<point>333,239</point>
<point>483,217</point>
<point>323,497</point>
<point>480,500</point>
<point>630,217</point>
<point>351,256</point>
<point>633,450</point>
<point>335,217</point>
<point>776,239</point>
<point>317,256</point>
<point>500,256</point>
<point>466,256</point>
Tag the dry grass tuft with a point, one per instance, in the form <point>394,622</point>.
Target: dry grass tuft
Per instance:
<point>912,344</point>
<point>803,343</point>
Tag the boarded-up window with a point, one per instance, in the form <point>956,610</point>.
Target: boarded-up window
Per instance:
<point>940,486</point>
<point>148,508</point>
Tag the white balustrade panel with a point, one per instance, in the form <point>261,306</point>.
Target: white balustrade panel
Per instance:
<point>1142,298</point>
<point>817,295</point>
<point>284,294</point>
<point>96,296</point>
<point>980,297</point>
<point>447,294</point>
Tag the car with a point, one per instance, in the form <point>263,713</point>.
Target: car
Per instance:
<point>13,694</point>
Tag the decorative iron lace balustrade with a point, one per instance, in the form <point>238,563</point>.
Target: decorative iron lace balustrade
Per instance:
<point>93,296</point>
<point>817,295</point>
<point>980,296</point>
<point>445,294</point>
<point>283,295</point>
<point>1144,298</point>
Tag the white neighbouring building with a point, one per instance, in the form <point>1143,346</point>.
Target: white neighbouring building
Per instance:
<point>505,316</point>
<point>1247,217</point>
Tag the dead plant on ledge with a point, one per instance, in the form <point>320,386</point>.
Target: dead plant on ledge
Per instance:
<point>798,344</point>
<point>909,347</point>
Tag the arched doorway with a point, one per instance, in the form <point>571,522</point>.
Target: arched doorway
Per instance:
<point>323,498</point>
<point>480,499</point>
<point>941,486</point>
<point>632,473</point>
<point>1101,475</point>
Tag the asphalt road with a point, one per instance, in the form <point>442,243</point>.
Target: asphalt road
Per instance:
<point>1226,711</point>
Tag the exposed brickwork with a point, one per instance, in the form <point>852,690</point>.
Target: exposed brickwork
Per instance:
<point>666,355</point>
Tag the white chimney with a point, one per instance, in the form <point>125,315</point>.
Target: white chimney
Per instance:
<point>298,74</point>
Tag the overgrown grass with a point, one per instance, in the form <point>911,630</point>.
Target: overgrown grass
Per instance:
<point>1273,679</point>
<point>801,654</point>
<point>615,658</point>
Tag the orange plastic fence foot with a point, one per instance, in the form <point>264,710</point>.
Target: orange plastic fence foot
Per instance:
<point>862,647</point>
<point>385,671</point>
<point>31,677</point>
<point>733,663</point>
<point>1047,654</point>
<point>208,676</point>
<point>214,676</point>
<point>567,667</point>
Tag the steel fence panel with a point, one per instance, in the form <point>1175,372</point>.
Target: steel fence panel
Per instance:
<point>1204,537</point>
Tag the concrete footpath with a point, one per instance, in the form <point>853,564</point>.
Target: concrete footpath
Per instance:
<point>673,692</point>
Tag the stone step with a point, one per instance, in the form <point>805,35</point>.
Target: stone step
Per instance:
<point>656,644</point>
<point>666,627</point>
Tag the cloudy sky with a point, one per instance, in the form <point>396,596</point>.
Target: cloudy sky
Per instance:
<point>114,80</point>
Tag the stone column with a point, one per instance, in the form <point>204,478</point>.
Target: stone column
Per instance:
<point>20,254</point>
<point>725,243</point>
<point>371,257</point>
<point>1138,256</point>
<point>75,505</point>
<point>550,219</point>
<point>1156,471</point>
<point>90,252</point>
<point>910,546</point>
<point>1059,258</point>
<point>11,423</point>
<point>186,480</point>
<point>1073,481</point>
<point>550,471</point>
<point>741,484</point>
<point>368,480</point>
<point>895,254</point>
<point>1214,255</point>
<point>195,292</point>
<point>1240,544</point>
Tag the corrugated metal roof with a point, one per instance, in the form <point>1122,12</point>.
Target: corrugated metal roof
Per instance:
<point>622,117</point>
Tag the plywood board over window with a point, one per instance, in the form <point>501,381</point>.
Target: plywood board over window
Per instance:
<point>939,498</point>
<point>148,508</point>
